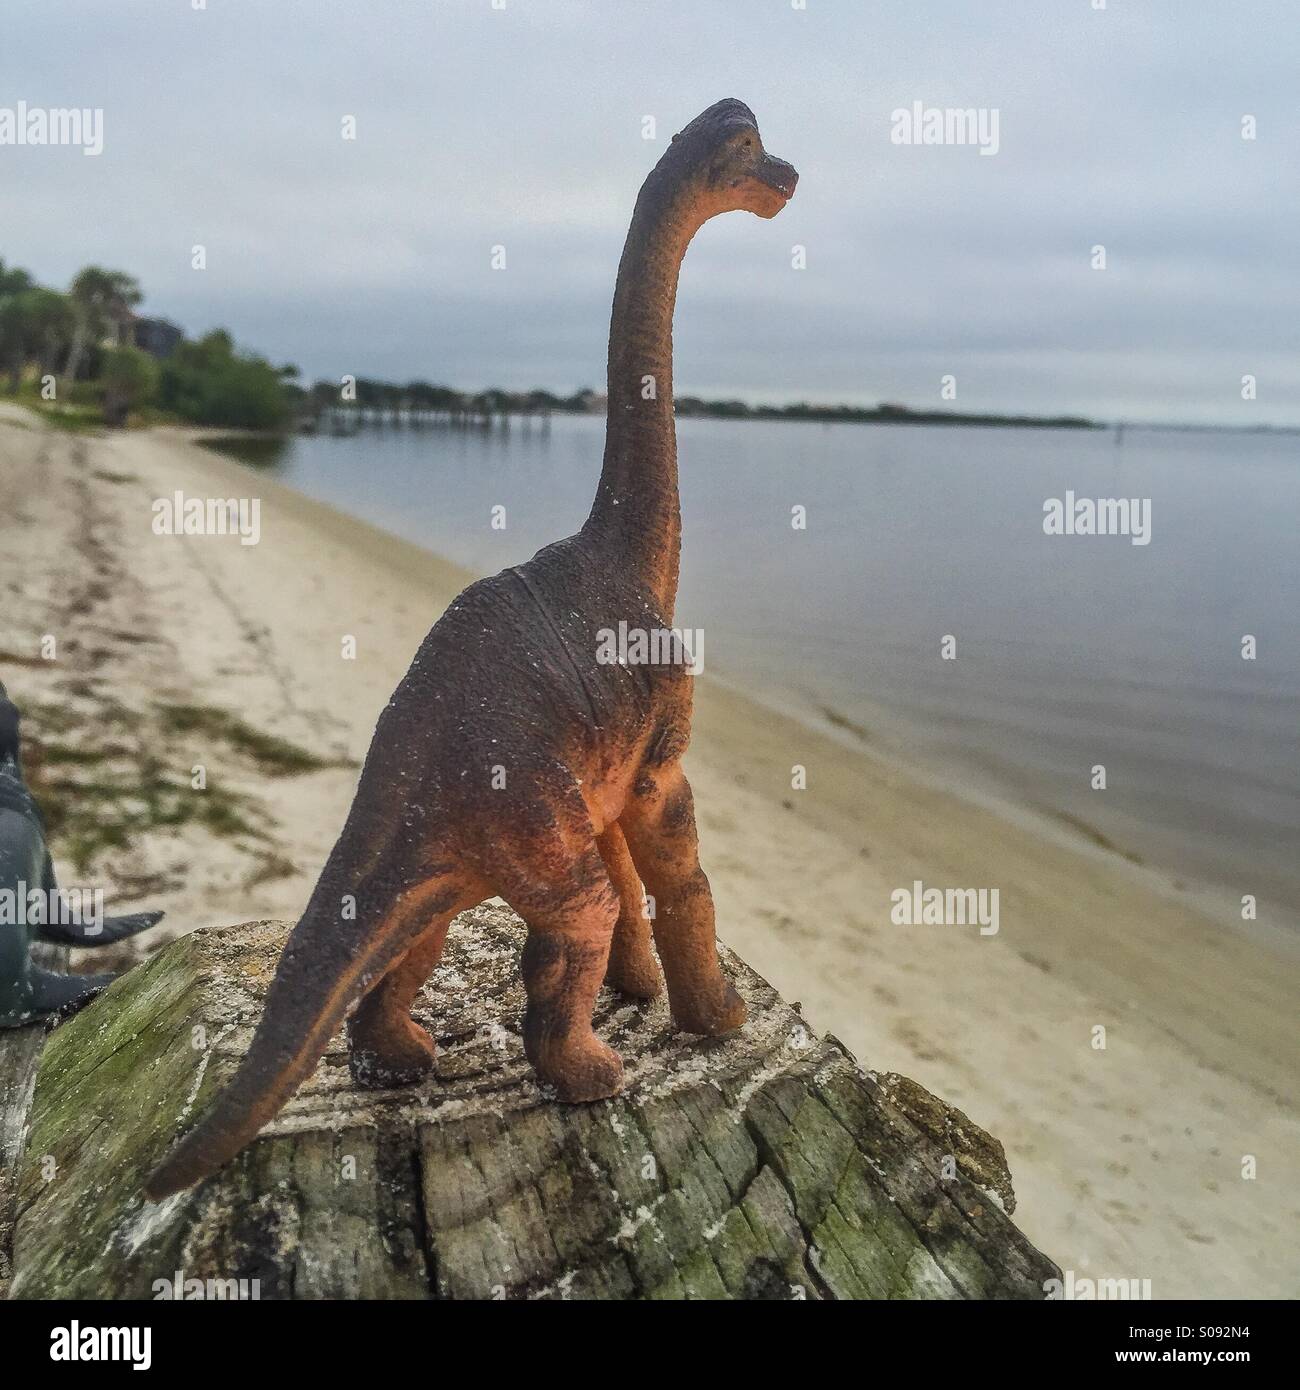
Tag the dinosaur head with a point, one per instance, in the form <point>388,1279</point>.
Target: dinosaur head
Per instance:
<point>721,160</point>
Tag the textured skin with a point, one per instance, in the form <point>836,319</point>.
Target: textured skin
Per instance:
<point>27,992</point>
<point>511,762</point>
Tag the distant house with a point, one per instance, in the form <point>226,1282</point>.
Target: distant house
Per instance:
<point>157,337</point>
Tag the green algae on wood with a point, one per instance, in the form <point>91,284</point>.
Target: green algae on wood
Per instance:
<point>20,1051</point>
<point>767,1165</point>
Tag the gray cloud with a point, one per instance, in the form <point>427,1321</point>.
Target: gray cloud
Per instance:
<point>522,126</point>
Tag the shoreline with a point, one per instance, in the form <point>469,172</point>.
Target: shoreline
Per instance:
<point>1022,721</point>
<point>894,740</point>
<point>887,743</point>
<point>1126,1160</point>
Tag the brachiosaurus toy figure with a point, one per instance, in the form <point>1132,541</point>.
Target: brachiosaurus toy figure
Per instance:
<point>512,762</point>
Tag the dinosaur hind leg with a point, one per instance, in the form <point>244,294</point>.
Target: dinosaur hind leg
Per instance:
<point>386,1047</point>
<point>659,822</point>
<point>564,960</point>
<point>632,967</point>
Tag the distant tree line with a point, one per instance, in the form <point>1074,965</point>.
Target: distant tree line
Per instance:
<point>86,349</point>
<point>367,395</point>
<point>885,414</point>
<point>379,400</point>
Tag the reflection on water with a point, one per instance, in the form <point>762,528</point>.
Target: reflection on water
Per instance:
<point>1068,652</point>
<point>260,451</point>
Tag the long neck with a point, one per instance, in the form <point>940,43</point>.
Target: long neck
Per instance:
<point>636,517</point>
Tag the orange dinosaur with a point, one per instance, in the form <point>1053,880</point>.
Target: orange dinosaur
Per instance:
<point>511,761</point>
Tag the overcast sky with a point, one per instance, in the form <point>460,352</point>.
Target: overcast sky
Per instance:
<point>522,126</point>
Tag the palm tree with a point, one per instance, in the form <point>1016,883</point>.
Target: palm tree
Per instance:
<point>51,322</point>
<point>100,298</point>
<point>36,323</point>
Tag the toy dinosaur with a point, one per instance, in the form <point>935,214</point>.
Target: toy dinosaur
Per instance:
<point>511,761</point>
<point>27,992</point>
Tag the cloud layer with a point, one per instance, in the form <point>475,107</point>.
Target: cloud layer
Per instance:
<point>523,127</point>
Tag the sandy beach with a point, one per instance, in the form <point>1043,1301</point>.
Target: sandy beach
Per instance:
<point>174,653</point>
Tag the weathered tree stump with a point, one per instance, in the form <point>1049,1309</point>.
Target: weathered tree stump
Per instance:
<point>20,1052</point>
<point>766,1165</point>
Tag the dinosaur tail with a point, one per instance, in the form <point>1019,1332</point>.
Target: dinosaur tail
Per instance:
<point>325,967</point>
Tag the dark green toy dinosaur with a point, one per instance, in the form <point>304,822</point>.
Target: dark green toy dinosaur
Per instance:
<point>31,906</point>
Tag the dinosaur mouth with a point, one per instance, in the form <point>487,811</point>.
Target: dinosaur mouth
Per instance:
<point>779,176</point>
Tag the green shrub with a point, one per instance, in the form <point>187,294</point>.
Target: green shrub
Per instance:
<point>129,378</point>
<point>209,383</point>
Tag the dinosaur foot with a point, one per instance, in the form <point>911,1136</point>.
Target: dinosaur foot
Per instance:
<point>578,1074</point>
<point>635,974</point>
<point>712,1011</point>
<point>400,1057</point>
<point>60,995</point>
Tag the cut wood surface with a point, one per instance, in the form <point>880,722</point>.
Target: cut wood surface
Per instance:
<point>764,1165</point>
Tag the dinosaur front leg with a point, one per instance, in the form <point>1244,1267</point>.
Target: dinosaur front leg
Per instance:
<point>659,822</point>
<point>564,960</point>
<point>386,1047</point>
<point>632,966</point>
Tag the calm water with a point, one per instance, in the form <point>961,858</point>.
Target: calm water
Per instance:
<point>1071,650</point>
